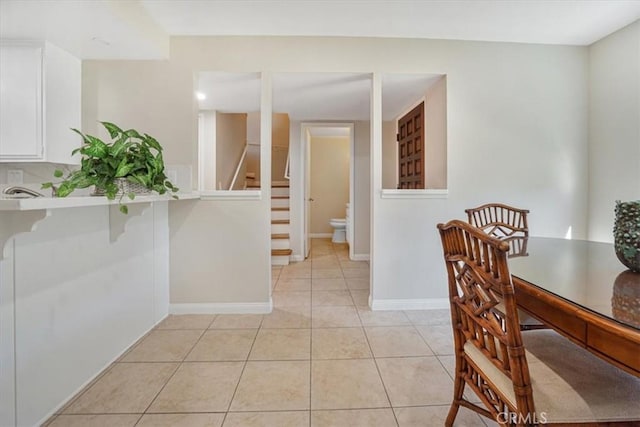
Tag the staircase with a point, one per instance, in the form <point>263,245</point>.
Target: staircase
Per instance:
<point>280,225</point>
<point>280,243</point>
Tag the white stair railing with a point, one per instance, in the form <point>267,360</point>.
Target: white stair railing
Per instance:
<point>243,159</point>
<point>240,162</point>
<point>286,168</point>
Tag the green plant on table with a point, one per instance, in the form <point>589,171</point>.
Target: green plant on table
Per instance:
<point>130,155</point>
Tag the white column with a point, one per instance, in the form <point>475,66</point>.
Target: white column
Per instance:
<point>266,116</point>
<point>376,172</point>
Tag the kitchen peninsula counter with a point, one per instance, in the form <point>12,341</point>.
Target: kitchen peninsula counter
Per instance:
<point>80,282</point>
<point>8,203</point>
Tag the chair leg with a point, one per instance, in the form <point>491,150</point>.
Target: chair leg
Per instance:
<point>458,390</point>
<point>451,417</point>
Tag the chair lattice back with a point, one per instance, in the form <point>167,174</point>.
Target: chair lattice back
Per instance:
<point>517,246</point>
<point>479,279</point>
<point>499,220</point>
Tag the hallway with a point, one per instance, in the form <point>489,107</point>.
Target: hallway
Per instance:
<point>321,358</point>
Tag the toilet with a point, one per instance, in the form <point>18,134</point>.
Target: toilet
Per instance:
<point>339,230</point>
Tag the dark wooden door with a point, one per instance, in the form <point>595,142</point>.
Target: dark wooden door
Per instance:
<point>411,149</point>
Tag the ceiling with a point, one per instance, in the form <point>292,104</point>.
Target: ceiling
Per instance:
<point>140,29</point>
<point>527,21</point>
<point>313,96</point>
<point>88,29</point>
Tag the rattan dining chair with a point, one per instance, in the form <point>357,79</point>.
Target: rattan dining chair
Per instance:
<point>552,382</point>
<point>510,224</point>
<point>499,220</point>
<point>517,246</point>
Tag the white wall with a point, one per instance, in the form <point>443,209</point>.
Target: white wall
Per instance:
<point>517,133</point>
<point>165,107</point>
<point>280,138</point>
<point>253,162</point>
<point>279,162</point>
<point>614,127</point>
<point>34,174</point>
<point>231,137</point>
<point>435,117</point>
<point>253,139</point>
<point>389,155</point>
<point>207,150</point>
<point>214,264</point>
<point>520,109</point>
<point>77,297</point>
<point>280,132</point>
<point>361,205</point>
<point>296,190</point>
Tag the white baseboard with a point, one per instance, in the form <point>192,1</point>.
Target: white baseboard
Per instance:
<point>280,260</point>
<point>361,257</point>
<point>222,308</point>
<point>409,304</point>
<point>320,235</point>
<point>297,258</point>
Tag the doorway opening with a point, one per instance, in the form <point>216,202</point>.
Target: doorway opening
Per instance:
<point>414,132</point>
<point>328,182</point>
<point>228,130</point>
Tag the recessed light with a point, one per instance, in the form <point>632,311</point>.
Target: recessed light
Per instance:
<point>201,96</point>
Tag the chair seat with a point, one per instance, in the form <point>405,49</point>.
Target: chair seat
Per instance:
<point>569,383</point>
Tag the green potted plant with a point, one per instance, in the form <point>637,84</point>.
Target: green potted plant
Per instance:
<point>130,164</point>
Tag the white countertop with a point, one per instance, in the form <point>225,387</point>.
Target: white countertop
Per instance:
<point>8,203</point>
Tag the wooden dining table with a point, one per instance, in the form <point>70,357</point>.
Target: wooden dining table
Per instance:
<point>580,289</point>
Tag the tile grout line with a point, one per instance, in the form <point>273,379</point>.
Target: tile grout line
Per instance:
<point>375,359</point>
<point>350,294</point>
<point>311,333</point>
<point>180,364</point>
<point>375,362</point>
<point>311,337</point>
<point>244,366</point>
<point>98,377</point>
<point>384,386</point>
<point>138,420</point>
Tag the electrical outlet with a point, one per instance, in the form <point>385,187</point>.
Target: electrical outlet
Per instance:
<point>15,176</point>
<point>172,175</point>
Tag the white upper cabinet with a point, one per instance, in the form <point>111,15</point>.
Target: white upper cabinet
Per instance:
<point>40,101</point>
<point>21,102</point>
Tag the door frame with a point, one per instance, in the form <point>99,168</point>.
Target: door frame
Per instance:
<point>305,137</point>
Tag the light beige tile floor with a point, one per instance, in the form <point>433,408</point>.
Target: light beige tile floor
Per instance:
<point>322,358</point>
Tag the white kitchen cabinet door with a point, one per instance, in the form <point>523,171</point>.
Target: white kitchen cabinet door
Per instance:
<point>21,102</point>
<point>41,102</point>
<point>62,105</point>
